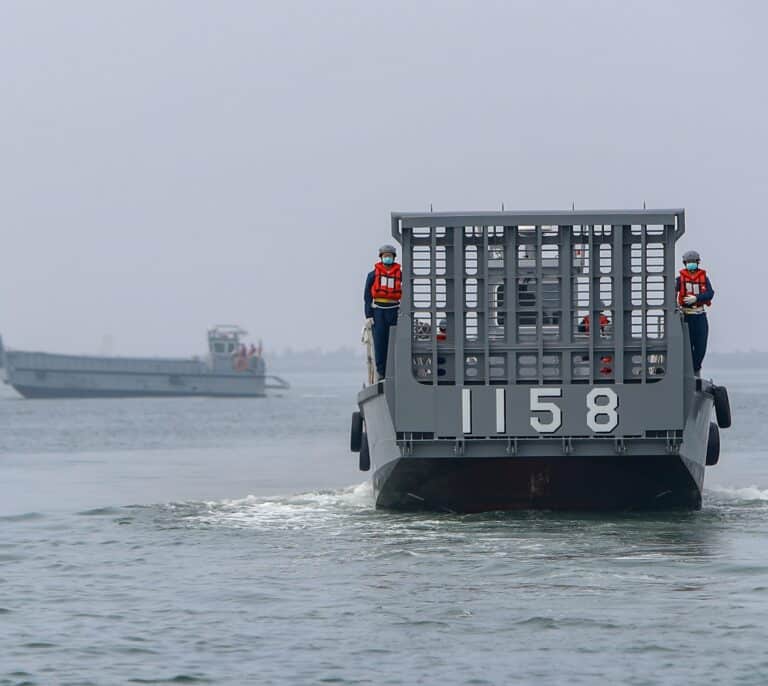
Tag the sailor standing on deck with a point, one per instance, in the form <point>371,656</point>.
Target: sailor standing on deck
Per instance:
<point>383,290</point>
<point>694,292</point>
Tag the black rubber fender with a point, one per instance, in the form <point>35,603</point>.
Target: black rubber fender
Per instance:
<point>722,406</point>
<point>713,445</point>
<point>365,455</point>
<point>356,432</point>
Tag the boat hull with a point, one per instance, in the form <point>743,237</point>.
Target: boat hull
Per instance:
<point>480,475</point>
<point>40,392</point>
<point>600,483</point>
<point>46,375</point>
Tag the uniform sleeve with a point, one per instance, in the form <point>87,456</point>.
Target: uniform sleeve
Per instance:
<point>677,285</point>
<point>367,297</point>
<point>706,295</point>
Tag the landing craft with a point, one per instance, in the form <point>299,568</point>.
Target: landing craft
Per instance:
<point>563,378</point>
<point>230,369</point>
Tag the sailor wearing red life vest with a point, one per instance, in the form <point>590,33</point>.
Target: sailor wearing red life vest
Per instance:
<point>584,323</point>
<point>383,290</point>
<point>694,293</point>
<point>442,331</point>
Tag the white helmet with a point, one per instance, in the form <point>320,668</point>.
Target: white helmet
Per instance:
<point>387,248</point>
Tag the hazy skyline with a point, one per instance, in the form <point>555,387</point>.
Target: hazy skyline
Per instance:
<point>170,166</point>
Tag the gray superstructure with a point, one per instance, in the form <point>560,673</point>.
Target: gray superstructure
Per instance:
<point>564,378</point>
<point>229,369</point>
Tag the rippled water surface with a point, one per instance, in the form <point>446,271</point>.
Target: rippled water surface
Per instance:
<point>234,542</point>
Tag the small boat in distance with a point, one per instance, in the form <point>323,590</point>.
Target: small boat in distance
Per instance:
<point>231,369</point>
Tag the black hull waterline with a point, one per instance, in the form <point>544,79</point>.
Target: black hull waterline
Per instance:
<point>455,484</point>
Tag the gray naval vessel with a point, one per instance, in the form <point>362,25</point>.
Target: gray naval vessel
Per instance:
<point>502,394</point>
<point>230,369</point>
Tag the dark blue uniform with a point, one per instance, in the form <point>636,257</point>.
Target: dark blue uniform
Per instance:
<point>383,317</point>
<point>698,326</point>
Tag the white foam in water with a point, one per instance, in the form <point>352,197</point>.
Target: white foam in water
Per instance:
<point>293,511</point>
<point>749,493</point>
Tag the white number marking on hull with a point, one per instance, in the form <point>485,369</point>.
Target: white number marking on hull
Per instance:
<point>538,406</point>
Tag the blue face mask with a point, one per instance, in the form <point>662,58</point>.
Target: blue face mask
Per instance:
<point>388,260</point>
<point>691,266</point>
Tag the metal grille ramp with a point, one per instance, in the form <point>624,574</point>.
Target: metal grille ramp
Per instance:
<point>517,300</point>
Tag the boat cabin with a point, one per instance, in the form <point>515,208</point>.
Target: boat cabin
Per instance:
<point>224,339</point>
<point>228,352</point>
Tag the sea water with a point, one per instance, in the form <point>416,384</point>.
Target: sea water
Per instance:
<point>233,541</point>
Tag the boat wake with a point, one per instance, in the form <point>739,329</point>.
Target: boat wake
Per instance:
<point>354,505</point>
<point>729,494</point>
<point>300,511</point>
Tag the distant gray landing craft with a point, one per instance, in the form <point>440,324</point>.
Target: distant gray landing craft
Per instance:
<point>230,369</point>
<point>561,377</point>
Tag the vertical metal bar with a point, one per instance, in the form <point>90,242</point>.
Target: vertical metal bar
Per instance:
<point>433,299</point>
<point>483,307</point>
<point>619,314</point>
<point>594,321</point>
<point>405,315</point>
<point>539,305</point>
<point>670,304</point>
<point>458,304</point>
<point>643,307</point>
<point>510,301</point>
<point>566,303</point>
<point>406,264</point>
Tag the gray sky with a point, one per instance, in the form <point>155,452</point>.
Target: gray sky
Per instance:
<point>165,166</point>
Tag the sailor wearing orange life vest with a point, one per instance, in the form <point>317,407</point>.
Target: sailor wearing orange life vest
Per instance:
<point>694,293</point>
<point>383,290</point>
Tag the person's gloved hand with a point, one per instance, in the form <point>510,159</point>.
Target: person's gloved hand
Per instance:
<point>369,321</point>
<point>689,299</point>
